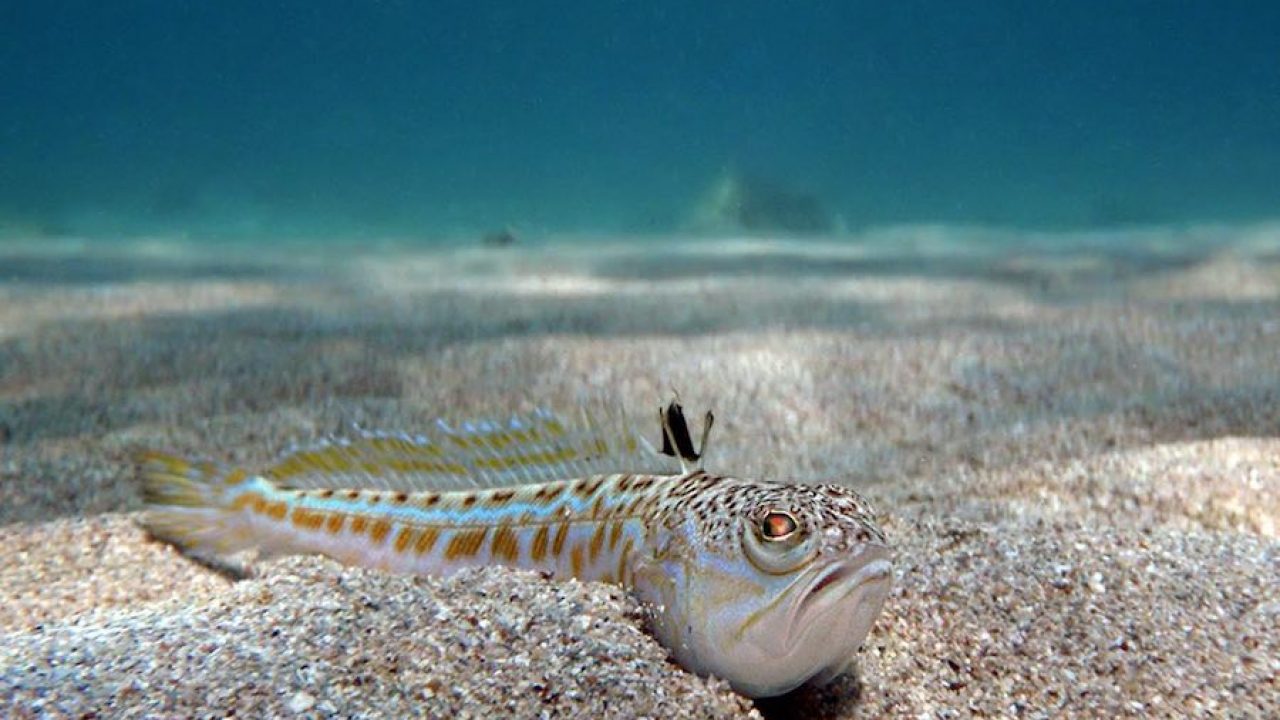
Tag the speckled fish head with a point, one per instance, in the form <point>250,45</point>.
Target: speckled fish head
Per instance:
<point>768,585</point>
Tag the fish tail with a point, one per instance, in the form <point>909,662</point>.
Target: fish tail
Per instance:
<point>198,506</point>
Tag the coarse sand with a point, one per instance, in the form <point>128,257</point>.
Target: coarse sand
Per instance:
<point>1073,439</point>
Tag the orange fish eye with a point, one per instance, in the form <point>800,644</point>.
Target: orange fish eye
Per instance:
<point>778,525</point>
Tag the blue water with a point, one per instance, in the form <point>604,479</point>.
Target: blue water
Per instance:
<point>431,119</point>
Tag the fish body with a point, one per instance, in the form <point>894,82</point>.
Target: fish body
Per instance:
<point>768,585</point>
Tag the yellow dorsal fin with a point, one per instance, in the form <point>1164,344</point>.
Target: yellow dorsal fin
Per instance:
<point>537,447</point>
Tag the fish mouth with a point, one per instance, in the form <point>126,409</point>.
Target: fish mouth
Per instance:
<point>835,610</point>
<point>842,579</point>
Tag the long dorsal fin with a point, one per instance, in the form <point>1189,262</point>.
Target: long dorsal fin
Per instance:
<point>533,448</point>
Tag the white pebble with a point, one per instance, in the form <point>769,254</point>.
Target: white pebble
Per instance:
<point>301,702</point>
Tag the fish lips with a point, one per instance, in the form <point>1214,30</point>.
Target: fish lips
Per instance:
<point>847,593</point>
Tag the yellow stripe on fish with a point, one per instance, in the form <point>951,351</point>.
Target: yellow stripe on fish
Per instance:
<point>768,585</point>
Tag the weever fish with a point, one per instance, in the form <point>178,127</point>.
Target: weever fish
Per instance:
<point>768,585</point>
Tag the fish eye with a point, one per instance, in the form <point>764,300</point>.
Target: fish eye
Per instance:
<point>778,525</point>
<point>776,543</point>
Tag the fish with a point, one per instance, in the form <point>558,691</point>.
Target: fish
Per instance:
<point>768,585</point>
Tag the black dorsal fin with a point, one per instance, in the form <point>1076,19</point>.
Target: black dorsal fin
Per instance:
<point>676,440</point>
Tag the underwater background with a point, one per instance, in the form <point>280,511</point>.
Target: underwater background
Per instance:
<point>1011,270</point>
<point>446,119</point>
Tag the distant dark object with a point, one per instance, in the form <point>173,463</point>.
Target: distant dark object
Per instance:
<point>736,204</point>
<point>6,434</point>
<point>500,238</point>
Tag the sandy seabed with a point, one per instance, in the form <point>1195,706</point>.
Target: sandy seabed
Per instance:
<point>1074,441</point>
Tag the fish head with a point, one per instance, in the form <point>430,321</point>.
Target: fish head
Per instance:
<point>768,585</point>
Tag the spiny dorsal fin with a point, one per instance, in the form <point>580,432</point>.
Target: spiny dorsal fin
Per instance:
<point>676,441</point>
<point>534,448</point>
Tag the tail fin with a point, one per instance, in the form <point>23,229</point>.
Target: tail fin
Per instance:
<point>189,504</point>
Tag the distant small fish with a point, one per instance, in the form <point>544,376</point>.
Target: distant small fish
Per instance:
<point>767,585</point>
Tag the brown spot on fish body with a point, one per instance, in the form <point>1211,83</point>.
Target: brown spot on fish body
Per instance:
<point>621,509</point>
<point>505,544</point>
<point>324,494</point>
<point>501,497</point>
<point>538,550</point>
<point>649,504</point>
<point>334,523</point>
<point>634,505</point>
<point>235,477</point>
<point>358,524</point>
<point>303,518</point>
<point>244,501</point>
<point>405,538</point>
<point>615,534</point>
<point>374,498</point>
<point>426,540</point>
<point>575,560</point>
<point>622,483</point>
<point>597,542</point>
<point>400,498</point>
<point>430,500</point>
<point>465,543</point>
<point>624,563</point>
<point>317,520</point>
<point>557,545</point>
<point>277,510</point>
<point>597,508</point>
<point>468,501</point>
<point>548,493</point>
<point>687,485</point>
<point>587,487</point>
<point>379,531</point>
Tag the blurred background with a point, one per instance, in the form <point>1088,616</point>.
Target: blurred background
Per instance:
<point>456,119</point>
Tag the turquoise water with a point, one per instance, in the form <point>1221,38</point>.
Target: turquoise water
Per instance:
<point>449,120</point>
